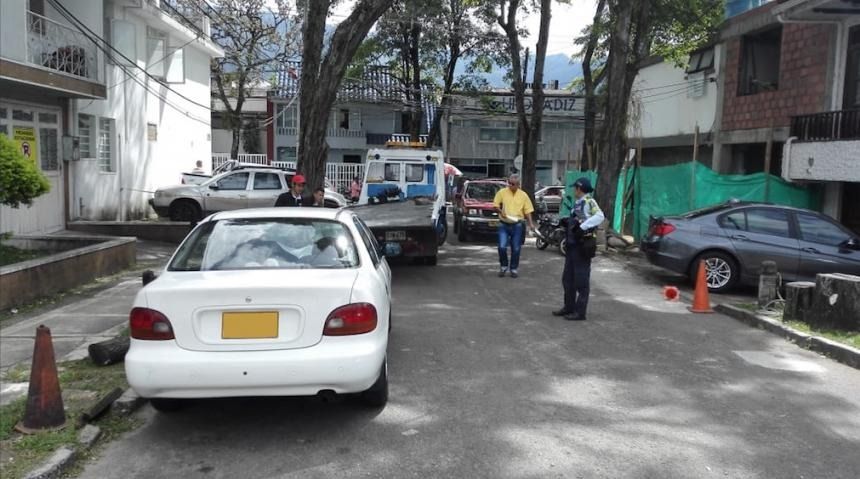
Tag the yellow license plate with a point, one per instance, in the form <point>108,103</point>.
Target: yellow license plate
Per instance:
<point>256,325</point>
<point>494,223</point>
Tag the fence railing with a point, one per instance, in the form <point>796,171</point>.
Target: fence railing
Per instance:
<point>340,175</point>
<point>219,159</point>
<point>828,126</point>
<point>61,48</point>
<point>330,132</point>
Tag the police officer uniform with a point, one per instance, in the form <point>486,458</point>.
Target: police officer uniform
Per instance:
<point>585,217</point>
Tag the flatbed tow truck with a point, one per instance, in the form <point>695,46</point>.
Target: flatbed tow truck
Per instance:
<point>402,199</point>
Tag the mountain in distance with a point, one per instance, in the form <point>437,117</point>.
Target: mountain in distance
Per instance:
<point>556,67</point>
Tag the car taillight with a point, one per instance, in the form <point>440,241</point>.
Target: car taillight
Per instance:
<point>358,318</point>
<point>662,229</point>
<point>149,324</point>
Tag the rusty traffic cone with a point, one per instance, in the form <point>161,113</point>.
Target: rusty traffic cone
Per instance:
<point>701,300</point>
<point>44,400</point>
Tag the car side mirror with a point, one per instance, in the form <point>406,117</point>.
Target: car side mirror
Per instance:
<point>147,277</point>
<point>852,244</point>
<point>213,187</point>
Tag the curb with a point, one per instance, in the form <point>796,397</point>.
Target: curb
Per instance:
<point>55,466</point>
<point>58,464</point>
<point>840,352</point>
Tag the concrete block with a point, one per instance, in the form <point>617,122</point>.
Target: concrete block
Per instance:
<point>128,403</point>
<point>836,302</point>
<point>89,435</point>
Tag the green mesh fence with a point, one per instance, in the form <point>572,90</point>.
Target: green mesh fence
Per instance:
<point>670,190</point>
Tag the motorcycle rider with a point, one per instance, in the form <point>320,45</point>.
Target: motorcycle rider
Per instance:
<point>585,217</point>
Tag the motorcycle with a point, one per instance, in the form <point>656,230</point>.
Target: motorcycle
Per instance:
<point>551,232</point>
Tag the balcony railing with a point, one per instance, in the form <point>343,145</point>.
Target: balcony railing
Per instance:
<point>828,126</point>
<point>331,132</point>
<point>61,48</point>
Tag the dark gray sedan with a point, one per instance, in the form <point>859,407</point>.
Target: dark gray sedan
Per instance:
<point>734,238</point>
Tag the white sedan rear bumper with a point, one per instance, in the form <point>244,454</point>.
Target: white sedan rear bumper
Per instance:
<point>349,364</point>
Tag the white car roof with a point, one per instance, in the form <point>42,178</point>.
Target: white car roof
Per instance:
<point>281,212</point>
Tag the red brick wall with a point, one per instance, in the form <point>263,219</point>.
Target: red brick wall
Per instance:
<point>802,80</point>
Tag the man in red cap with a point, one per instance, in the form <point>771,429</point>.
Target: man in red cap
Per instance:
<point>294,196</point>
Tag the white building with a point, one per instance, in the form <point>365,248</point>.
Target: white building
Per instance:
<point>106,126</point>
<point>670,102</point>
<point>253,108</point>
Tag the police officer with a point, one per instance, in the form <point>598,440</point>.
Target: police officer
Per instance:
<point>585,217</point>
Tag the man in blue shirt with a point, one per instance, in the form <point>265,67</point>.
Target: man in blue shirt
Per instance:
<point>585,217</point>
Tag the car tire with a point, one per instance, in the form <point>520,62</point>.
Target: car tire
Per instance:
<point>377,396</point>
<point>441,236</point>
<point>456,225</point>
<point>184,210</point>
<point>166,405</point>
<point>431,260</point>
<point>541,243</point>
<point>726,266</point>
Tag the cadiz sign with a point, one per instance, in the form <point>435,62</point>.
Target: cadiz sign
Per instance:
<point>567,105</point>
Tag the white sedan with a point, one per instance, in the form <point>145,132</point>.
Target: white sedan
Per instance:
<point>265,302</point>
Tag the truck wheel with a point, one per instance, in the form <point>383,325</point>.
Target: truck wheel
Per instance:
<point>431,260</point>
<point>184,210</point>
<point>456,224</point>
<point>443,234</point>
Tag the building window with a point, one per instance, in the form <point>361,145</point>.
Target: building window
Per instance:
<point>347,119</point>
<point>174,65</point>
<point>156,52</point>
<point>287,153</point>
<point>352,158</point>
<point>106,145</point>
<point>288,118</point>
<point>499,131</point>
<point>85,135</point>
<point>701,61</point>
<point>152,132</point>
<point>759,65</point>
<point>48,149</point>
<point>123,36</point>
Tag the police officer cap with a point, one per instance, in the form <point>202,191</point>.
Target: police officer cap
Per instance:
<point>583,184</point>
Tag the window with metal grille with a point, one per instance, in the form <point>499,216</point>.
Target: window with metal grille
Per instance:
<point>85,135</point>
<point>48,149</point>
<point>106,145</point>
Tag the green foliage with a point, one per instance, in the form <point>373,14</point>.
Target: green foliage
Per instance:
<point>683,26</point>
<point>20,178</point>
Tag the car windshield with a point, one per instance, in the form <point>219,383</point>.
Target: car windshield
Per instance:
<point>267,243</point>
<point>482,191</point>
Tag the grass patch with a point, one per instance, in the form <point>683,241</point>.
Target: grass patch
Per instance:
<point>83,384</point>
<point>851,338</point>
<point>751,307</point>
<point>11,255</point>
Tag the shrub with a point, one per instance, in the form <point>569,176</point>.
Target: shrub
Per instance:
<point>20,178</point>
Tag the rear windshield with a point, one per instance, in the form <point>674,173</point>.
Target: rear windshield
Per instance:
<point>267,243</point>
<point>482,191</point>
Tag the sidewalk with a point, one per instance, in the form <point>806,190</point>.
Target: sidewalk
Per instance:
<point>75,325</point>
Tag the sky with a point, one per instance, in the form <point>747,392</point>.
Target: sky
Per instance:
<point>567,22</point>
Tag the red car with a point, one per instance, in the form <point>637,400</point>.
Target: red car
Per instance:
<point>474,213</point>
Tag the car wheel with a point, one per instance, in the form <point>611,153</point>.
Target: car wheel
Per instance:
<point>166,405</point>
<point>456,225</point>
<point>722,271</point>
<point>377,395</point>
<point>541,243</point>
<point>431,260</point>
<point>184,210</point>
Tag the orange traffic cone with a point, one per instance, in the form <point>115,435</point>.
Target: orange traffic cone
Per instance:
<point>44,401</point>
<point>701,300</point>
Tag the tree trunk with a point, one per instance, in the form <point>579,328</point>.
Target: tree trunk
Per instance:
<point>534,134</point>
<point>236,127</point>
<point>325,75</point>
<point>590,107</point>
<point>415,82</point>
<point>623,60</point>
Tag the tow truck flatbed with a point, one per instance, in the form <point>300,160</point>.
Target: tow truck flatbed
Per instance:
<point>408,223</point>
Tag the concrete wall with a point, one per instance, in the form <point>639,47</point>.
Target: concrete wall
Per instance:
<point>143,165</point>
<point>165,231</point>
<point>662,95</point>
<point>803,80</point>
<point>824,161</point>
<point>21,283</point>
<point>557,143</point>
<point>222,141</point>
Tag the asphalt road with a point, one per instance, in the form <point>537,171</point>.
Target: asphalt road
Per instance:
<point>486,383</point>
